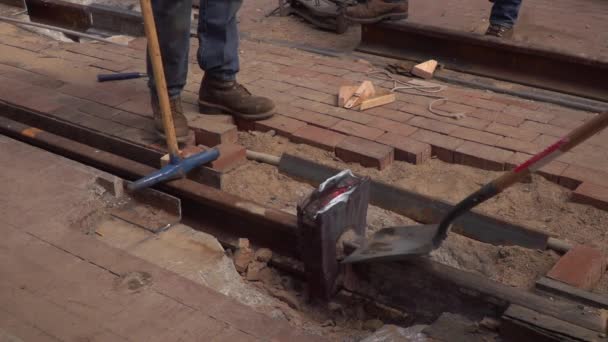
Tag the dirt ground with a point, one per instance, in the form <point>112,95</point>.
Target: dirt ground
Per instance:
<point>540,204</point>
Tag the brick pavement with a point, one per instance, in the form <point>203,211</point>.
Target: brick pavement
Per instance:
<point>498,131</point>
<point>59,284</point>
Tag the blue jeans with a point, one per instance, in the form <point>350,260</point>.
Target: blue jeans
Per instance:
<point>505,12</point>
<point>217,36</point>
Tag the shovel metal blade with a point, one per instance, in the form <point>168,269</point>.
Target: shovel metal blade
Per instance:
<point>396,243</point>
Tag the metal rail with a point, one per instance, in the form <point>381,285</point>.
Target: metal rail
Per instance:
<point>488,56</point>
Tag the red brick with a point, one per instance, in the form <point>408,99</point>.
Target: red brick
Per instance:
<point>475,135</point>
<point>271,84</point>
<point>518,146</point>
<point>493,116</point>
<point>318,137</point>
<point>357,130</point>
<point>566,123</point>
<point>93,94</point>
<point>390,114</point>
<point>33,78</point>
<point>211,133</point>
<point>512,132</point>
<point>312,118</point>
<point>574,175</point>
<point>478,102</point>
<point>335,71</point>
<point>544,128</point>
<point>532,115</point>
<point>432,125</point>
<point>551,171</point>
<point>515,102</point>
<point>443,146</point>
<point>467,121</point>
<point>482,156</point>
<point>231,157</point>
<point>407,149</point>
<point>453,107</point>
<point>313,95</point>
<point>365,152</point>
<point>393,127</point>
<point>98,110</point>
<point>281,124</point>
<point>591,194</point>
<point>298,71</point>
<point>334,111</point>
<point>581,267</point>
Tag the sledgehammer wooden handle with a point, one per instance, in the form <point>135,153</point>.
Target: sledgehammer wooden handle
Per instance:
<point>159,77</point>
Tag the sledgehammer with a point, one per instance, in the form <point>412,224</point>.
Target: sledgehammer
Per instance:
<point>177,168</point>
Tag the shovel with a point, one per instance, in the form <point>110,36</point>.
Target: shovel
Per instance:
<point>402,242</point>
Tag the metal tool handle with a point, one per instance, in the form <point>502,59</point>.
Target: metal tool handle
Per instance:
<point>541,159</point>
<point>119,76</point>
<point>159,78</point>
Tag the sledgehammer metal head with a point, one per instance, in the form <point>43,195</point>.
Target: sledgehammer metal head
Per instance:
<point>175,169</point>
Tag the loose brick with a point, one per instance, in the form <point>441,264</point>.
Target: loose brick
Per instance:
<point>211,133</point>
<point>231,157</point>
<point>500,117</point>
<point>551,171</point>
<point>475,135</point>
<point>482,156</point>
<point>432,125</point>
<point>281,124</point>
<point>574,175</point>
<point>518,133</point>
<point>407,149</point>
<point>518,145</point>
<point>591,194</point>
<point>393,127</point>
<point>544,128</point>
<point>581,267</point>
<point>318,137</point>
<point>357,130</point>
<point>443,146</point>
<point>365,152</point>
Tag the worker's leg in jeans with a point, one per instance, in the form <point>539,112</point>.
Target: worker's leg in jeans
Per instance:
<point>218,56</point>
<point>172,19</point>
<point>505,12</point>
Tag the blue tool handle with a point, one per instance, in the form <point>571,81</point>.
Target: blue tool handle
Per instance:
<point>119,76</point>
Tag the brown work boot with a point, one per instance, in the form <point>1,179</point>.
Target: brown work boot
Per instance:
<point>232,98</point>
<point>179,120</point>
<point>499,31</point>
<point>373,11</point>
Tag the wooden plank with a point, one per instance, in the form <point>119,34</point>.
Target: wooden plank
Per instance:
<point>564,290</point>
<point>423,208</point>
<point>365,91</point>
<point>523,324</point>
<point>378,101</point>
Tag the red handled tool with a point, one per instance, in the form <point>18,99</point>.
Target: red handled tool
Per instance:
<point>401,242</point>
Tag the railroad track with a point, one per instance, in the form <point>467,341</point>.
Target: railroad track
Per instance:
<point>423,287</point>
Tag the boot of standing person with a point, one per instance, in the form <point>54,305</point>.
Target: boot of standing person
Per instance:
<point>503,18</point>
<point>217,56</point>
<point>373,11</point>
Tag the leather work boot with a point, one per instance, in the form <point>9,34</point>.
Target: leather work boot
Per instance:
<point>373,11</point>
<point>499,31</point>
<point>179,120</point>
<point>232,98</point>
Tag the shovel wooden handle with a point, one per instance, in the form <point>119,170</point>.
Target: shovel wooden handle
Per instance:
<point>159,77</point>
<point>495,187</point>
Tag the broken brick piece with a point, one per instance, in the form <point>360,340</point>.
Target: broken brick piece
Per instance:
<point>212,133</point>
<point>365,152</point>
<point>581,267</point>
<point>407,149</point>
